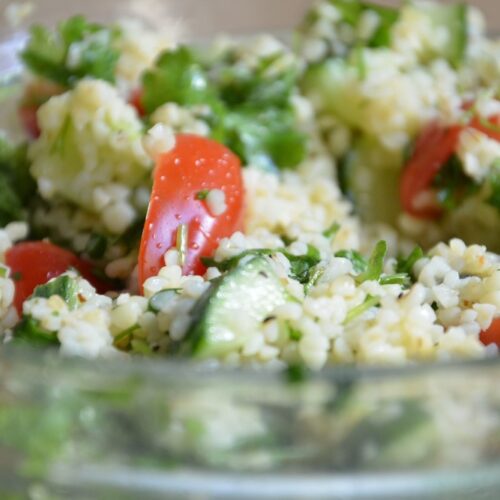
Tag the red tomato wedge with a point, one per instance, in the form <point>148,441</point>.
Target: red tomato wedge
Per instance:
<point>195,165</point>
<point>492,334</point>
<point>33,263</point>
<point>433,149</point>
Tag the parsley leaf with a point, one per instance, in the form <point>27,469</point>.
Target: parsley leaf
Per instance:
<point>16,184</point>
<point>453,186</point>
<point>302,267</point>
<point>369,302</point>
<point>332,230</point>
<point>405,265</point>
<point>64,286</point>
<point>29,330</point>
<point>375,263</point>
<point>359,263</point>
<point>176,77</point>
<point>250,110</point>
<point>76,50</point>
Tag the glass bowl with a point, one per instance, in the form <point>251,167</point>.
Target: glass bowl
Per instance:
<point>160,428</point>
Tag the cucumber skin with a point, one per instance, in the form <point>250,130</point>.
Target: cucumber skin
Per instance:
<point>199,341</point>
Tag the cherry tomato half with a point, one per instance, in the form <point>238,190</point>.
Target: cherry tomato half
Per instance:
<point>492,334</point>
<point>34,263</point>
<point>194,166</point>
<point>433,149</point>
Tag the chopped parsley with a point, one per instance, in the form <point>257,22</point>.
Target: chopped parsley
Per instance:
<point>77,49</point>
<point>369,302</point>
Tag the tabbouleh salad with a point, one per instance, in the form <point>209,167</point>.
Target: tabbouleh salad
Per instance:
<point>335,199</point>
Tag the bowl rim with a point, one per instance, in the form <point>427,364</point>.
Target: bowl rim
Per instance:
<point>12,358</point>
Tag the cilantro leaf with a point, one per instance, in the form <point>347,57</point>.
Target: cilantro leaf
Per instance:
<point>64,286</point>
<point>77,49</point>
<point>375,263</point>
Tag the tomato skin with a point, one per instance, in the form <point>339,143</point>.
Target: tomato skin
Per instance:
<point>193,165</point>
<point>492,334</point>
<point>36,262</point>
<point>432,149</point>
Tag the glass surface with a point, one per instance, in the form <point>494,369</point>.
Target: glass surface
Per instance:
<point>168,429</point>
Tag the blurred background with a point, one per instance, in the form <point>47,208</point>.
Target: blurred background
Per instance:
<point>237,16</point>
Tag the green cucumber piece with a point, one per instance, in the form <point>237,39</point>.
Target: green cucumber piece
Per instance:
<point>454,19</point>
<point>232,309</point>
<point>369,177</point>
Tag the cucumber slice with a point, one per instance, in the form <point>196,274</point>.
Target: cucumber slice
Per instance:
<point>369,176</point>
<point>332,88</point>
<point>232,309</point>
<point>453,18</point>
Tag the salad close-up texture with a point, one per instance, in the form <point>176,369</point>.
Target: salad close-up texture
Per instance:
<point>326,198</point>
<point>335,201</point>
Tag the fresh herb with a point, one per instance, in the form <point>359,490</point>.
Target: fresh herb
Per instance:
<point>29,330</point>
<point>182,242</point>
<point>17,187</point>
<point>4,271</point>
<point>369,302</point>
<point>296,373</point>
<point>266,138</point>
<point>176,77</point>
<point>64,286</point>
<point>301,266</point>
<point>125,334</point>
<point>17,276</point>
<point>405,265</point>
<point>242,85</point>
<point>140,346</point>
<point>332,230</point>
<point>202,195</point>
<point>249,109</point>
<point>375,265</point>
<point>314,277</point>
<point>96,246</point>
<point>78,49</point>
<point>293,333</point>
<point>359,263</point>
<point>402,279</point>
<point>452,185</point>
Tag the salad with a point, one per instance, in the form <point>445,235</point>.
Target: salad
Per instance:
<point>331,200</point>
